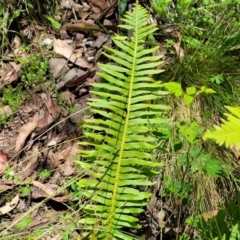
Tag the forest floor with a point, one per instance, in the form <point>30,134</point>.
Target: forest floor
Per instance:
<point>45,78</point>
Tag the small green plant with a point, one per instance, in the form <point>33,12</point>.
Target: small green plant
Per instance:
<point>24,223</point>
<point>191,92</point>
<point>77,191</point>
<point>190,174</point>
<point>9,173</point>
<point>35,70</point>
<point>43,174</point>
<point>25,191</point>
<point>54,23</point>
<point>12,97</point>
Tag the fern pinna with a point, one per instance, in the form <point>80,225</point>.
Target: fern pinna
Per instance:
<point>229,132</point>
<point>119,159</point>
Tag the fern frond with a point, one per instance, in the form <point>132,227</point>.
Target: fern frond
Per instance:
<point>229,132</point>
<point>119,159</point>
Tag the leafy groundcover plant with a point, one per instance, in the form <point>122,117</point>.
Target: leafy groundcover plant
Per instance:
<point>225,225</point>
<point>118,157</point>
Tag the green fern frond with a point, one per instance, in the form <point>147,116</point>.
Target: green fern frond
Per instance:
<point>229,132</point>
<point>119,159</point>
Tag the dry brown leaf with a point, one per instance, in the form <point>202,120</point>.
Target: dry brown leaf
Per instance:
<point>9,206</point>
<point>67,51</point>
<point>6,110</point>
<point>11,76</point>
<point>98,5</point>
<point>69,167</point>
<point>32,164</point>
<point>56,237</point>
<point>58,66</point>
<point>4,187</point>
<point>68,97</point>
<point>177,46</point>
<point>73,78</point>
<point>101,7</point>
<point>38,193</point>
<point>210,214</point>
<point>47,115</point>
<point>40,190</point>
<point>84,26</point>
<point>102,38</point>
<point>179,50</point>
<point>82,13</point>
<point>44,188</point>
<point>24,131</point>
<point>61,156</point>
<point>55,140</point>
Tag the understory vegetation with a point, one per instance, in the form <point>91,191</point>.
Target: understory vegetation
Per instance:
<point>156,140</point>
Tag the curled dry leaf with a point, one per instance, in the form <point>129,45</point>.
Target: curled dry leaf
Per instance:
<point>9,206</point>
<point>44,188</point>
<point>73,78</point>
<point>24,131</point>
<point>47,115</point>
<point>40,190</point>
<point>12,76</point>
<point>65,50</point>
<point>61,156</point>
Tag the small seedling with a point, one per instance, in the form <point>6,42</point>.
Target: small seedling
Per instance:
<point>43,174</point>
<point>35,70</point>
<point>24,223</point>
<point>25,191</point>
<point>13,97</point>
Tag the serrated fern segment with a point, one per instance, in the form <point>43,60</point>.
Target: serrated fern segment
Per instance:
<point>120,159</point>
<point>229,132</point>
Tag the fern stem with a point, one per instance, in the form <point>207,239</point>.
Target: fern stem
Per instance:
<point>133,70</point>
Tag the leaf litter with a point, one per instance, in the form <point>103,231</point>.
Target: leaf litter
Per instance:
<point>39,140</point>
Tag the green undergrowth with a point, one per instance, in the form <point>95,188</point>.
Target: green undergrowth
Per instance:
<point>149,129</point>
<point>198,177</point>
<point>202,51</point>
<point>12,12</point>
<point>206,45</point>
